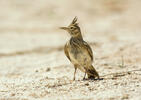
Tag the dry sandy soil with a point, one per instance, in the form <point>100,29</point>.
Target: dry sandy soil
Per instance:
<point>32,61</point>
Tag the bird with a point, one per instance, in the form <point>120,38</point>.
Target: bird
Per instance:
<point>79,52</point>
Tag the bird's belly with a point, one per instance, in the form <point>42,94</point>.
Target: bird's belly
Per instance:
<point>80,57</point>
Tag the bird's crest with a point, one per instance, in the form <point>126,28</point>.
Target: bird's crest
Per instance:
<point>74,21</point>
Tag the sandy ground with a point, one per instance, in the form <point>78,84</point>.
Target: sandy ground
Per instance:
<point>32,61</point>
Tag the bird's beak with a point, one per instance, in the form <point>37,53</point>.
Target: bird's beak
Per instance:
<point>64,28</point>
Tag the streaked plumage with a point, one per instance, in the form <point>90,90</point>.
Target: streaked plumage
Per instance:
<point>79,52</point>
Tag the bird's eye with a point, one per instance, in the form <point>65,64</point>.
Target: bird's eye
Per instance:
<point>71,27</point>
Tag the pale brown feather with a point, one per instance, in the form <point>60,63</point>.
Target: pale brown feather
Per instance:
<point>92,73</point>
<point>88,49</point>
<point>66,51</point>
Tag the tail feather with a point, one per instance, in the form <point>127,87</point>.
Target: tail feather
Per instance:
<point>91,72</point>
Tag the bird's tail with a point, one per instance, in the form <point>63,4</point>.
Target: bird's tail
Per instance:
<point>92,73</point>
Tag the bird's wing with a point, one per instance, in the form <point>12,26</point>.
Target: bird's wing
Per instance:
<point>88,49</point>
<point>66,51</point>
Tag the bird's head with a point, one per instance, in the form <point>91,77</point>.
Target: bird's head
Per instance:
<point>73,28</point>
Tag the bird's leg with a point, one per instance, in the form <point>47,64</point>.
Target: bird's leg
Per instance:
<point>84,76</point>
<point>74,73</point>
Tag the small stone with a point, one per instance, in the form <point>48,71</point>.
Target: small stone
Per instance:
<point>36,71</point>
<point>125,96</point>
<point>13,94</point>
<point>87,84</point>
<point>48,69</point>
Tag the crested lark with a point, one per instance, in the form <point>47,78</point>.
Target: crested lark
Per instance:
<point>79,52</point>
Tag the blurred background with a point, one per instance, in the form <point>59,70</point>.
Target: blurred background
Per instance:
<point>34,25</point>
<point>31,41</point>
<point>34,17</point>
